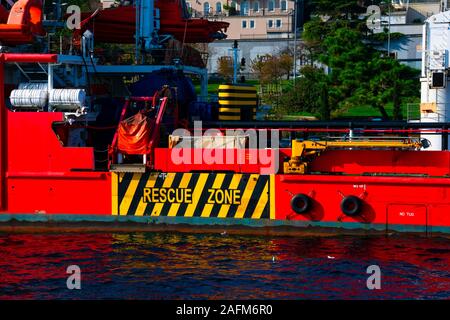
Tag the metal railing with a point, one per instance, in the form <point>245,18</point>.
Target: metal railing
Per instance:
<point>253,36</point>
<point>270,35</point>
<point>414,113</point>
<point>423,1</point>
<point>210,98</point>
<point>262,12</point>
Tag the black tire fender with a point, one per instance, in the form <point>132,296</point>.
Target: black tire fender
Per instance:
<point>301,203</point>
<point>351,206</point>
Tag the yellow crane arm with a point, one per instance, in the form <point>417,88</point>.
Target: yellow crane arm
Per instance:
<point>302,149</point>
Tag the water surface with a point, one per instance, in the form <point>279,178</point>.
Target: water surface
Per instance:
<point>190,266</point>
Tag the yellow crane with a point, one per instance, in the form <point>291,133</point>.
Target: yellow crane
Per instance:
<point>304,151</point>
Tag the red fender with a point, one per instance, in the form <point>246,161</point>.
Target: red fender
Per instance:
<point>24,22</point>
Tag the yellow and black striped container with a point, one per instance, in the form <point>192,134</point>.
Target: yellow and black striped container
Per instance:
<point>237,102</point>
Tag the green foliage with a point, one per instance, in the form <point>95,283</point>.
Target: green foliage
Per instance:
<point>83,4</point>
<point>271,68</point>
<point>225,67</point>
<point>348,63</point>
<point>383,36</point>
<point>357,74</point>
<point>286,63</point>
<point>390,82</point>
<point>309,95</point>
<point>362,75</point>
<point>337,8</point>
<point>315,31</point>
<point>342,8</point>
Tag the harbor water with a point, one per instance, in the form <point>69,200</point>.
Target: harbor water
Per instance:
<point>221,266</point>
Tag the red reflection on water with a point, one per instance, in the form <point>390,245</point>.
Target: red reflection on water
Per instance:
<point>27,260</point>
<point>422,264</point>
<point>183,266</point>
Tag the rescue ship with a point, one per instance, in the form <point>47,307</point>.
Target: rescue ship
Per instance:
<point>91,141</point>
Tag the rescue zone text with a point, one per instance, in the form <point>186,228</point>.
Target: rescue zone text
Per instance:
<point>180,195</point>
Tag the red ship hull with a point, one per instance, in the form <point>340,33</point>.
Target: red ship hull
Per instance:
<point>40,179</point>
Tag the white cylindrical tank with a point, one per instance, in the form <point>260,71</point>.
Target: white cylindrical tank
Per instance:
<point>67,99</point>
<point>29,98</point>
<point>34,85</point>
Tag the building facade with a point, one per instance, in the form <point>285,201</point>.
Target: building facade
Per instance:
<point>407,18</point>
<point>249,19</point>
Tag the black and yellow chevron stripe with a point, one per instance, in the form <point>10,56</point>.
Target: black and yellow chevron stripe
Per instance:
<point>237,102</point>
<point>220,195</point>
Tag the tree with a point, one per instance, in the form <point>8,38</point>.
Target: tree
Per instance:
<point>286,62</point>
<point>358,74</point>
<point>271,70</point>
<point>362,75</point>
<point>83,4</point>
<point>342,8</point>
<point>256,65</point>
<point>348,64</point>
<point>225,67</point>
<point>310,94</point>
<point>391,82</point>
<point>324,109</point>
<point>314,32</point>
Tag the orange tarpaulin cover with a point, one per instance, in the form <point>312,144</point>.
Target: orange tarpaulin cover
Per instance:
<point>134,134</point>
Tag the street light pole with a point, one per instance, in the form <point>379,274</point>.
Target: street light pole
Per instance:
<point>389,30</point>
<point>235,61</point>
<point>295,40</point>
<point>389,25</point>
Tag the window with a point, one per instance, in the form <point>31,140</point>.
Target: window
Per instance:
<point>206,8</point>
<point>244,8</point>
<point>270,23</point>
<point>283,5</point>
<point>233,6</point>
<point>256,6</point>
<point>438,80</point>
<point>271,6</point>
<point>252,24</point>
<point>244,24</point>
<point>219,7</point>
<point>278,23</point>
